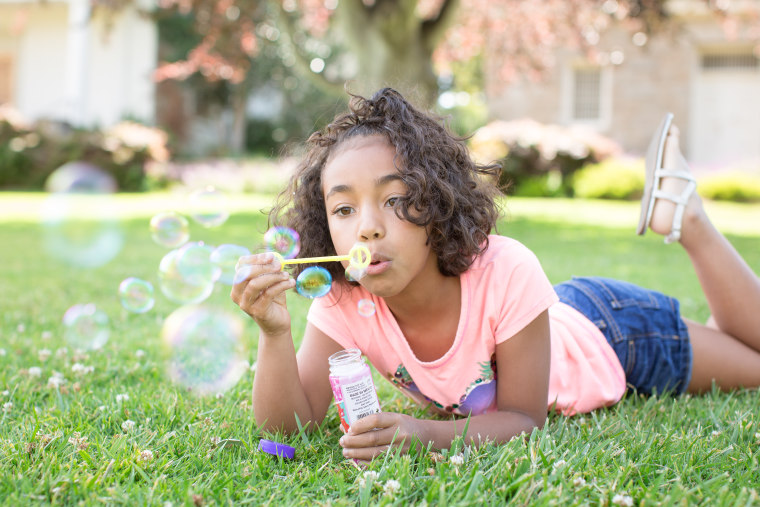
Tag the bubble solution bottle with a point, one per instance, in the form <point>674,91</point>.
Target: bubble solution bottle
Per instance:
<point>351,382</point>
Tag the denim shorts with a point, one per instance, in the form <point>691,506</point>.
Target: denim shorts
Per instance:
<point>644,328</point>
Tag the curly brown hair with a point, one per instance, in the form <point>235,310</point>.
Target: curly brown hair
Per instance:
<point>447,192</point>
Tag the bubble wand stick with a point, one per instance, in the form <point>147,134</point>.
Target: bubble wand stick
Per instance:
<point>359,257</point>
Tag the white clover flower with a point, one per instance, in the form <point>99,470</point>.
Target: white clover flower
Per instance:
<point>219,396</point>
<point>2,352</point>
<point>44,354</point>
<point>21,328</point>
<point>35,371</point>
<point>456,459</point>
<point>56,381</point>
<point>7,406</point>
<point>216,440</point>
<point>391,487</point>
<point>579,482</point>
<point>102,408</point>
<point>128,425</point>
<point>6,393</point>
<point>368,478</point>
<point>140,353</point>
<point>146,455</point>
<point>82,369</point>
<point>559,463</point>
<point>122,397</point>
<point>715,433</point>
<point>61,352</point>
<point>46,335</point>
<point>624,500</point>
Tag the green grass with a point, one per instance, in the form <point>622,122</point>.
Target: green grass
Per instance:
<point>68,445</point>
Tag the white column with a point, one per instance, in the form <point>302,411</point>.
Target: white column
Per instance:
<point>76,61</point>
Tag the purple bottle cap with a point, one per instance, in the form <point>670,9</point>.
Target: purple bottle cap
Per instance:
<point>277,448</point>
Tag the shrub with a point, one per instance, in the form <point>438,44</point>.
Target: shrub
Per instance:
<point>530,152</point>
<point>29,153</point>
<point>613,178</point>
<point>739,186</point>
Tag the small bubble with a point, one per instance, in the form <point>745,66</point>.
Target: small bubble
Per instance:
<point>283,240</point>
<point>86,327</point>
<point>314,282</point>
<point>366,307</point>
<point>208,207</point>
<point>136,295</point>
<point>169,229</point>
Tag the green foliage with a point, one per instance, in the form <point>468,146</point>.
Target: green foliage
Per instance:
<point>30,153</point>
<point>613,178</point>
<point>731,186</point>
<point>529,150</point>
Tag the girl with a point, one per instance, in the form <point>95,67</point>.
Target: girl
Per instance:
<point>466,322</point>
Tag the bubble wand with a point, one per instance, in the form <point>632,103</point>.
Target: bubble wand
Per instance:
<point>358,257</point>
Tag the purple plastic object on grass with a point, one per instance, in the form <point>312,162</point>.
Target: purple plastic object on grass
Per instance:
<point>277,448</point>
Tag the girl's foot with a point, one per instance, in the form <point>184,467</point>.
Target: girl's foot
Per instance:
<point>676,202</point>
<point>669,196</point>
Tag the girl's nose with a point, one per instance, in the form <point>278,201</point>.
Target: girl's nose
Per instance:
<point>371,227</point>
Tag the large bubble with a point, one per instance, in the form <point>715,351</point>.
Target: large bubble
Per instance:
<point>205,348</point>
<point>208,207</point>
<point>366,307</point>
<point>195,265</point>
<point>86,327</point>
<point>179,288</point>
<point>283,240</point>
<point>225,258</point>
<point>79,218</point>
<point>169,229</point>
<point>136,295</point>
<point>314,282</point>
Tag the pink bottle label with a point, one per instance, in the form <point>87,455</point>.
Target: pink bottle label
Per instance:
<point>355,396</point>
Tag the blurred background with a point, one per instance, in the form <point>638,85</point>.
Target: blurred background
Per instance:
<point>566,93</point>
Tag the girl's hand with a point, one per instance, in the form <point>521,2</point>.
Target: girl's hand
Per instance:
<point>259,291</point>
<point>374,434</point>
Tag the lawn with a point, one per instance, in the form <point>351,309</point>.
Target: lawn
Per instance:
<point>109,426</point>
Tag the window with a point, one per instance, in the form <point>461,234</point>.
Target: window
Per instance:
<point>6,79</point>
<point>587,88</point>
<point>738,60</point>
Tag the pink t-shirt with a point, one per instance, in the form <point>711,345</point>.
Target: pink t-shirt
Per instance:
<point>503,291</point>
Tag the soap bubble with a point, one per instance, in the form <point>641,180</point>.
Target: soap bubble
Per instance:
<point>283,240</point>
<point>205,348</point>
<point>194,263</point>
<point>178,288</point>
<point>79,177</point>
<point>366,307</point>
<point>314,282</point>
<point>79,218</point>
<point>169,229</point>
<point>136,295</point>
<point>225,258</point>
<point>208,207</point>
<point>354,274</point>
<point>85,327</point>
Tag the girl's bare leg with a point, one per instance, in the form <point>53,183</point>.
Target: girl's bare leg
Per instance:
<point>726,350</point>
<point>730,286</point>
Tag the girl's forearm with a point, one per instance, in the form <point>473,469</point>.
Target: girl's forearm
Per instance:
<point>496,427</point>
<point>277,390</point>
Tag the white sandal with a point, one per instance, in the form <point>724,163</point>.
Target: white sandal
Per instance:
<point>654,174</point>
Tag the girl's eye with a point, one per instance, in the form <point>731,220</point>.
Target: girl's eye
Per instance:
<point>343,211</point>
<point>392,201</point>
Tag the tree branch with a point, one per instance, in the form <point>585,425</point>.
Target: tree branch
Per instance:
<point>434,29</point>
<point>302,62</point>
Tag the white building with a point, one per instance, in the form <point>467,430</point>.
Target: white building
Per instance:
<point>706,75</point>
<point>66,60</point>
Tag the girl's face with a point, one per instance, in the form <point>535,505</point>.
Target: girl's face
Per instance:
<point>360,185</point>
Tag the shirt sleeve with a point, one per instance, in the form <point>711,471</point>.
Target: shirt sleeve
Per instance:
<point>524,290</point>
